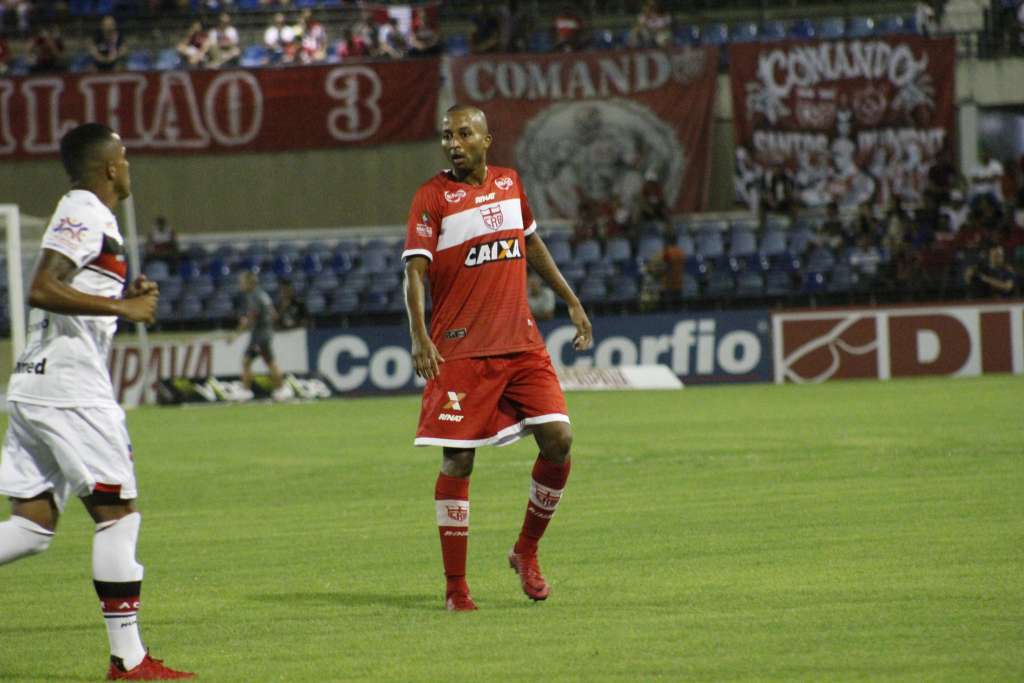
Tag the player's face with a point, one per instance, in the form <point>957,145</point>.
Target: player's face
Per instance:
<point>465,140</point>
<point>122,172</point>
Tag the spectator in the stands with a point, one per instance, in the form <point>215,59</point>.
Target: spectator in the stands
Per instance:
<point>312,38</point>
<point>570,29</point>
<point>424,39</point>
<point>390,40</point>
<point>651,206</point>
<point>351,45</point>
<point>279,38</point>
<point>866,257</point>
<point>520,22</point>
<point>992,278</point>
<point>1012,236</point>
<point>777,191</point>
<point>971,236</point>
<point>586,225</point>
<point>896,225</point>
<point>47,50</point>
<point>540,298</point>
<point>832,233</point>
<point>987,178</point>
<point>653,27</point>
<point>487,29</point>
<point>22,10</point>
<point>944,178</point>
<point>956,211</point>
<point>671,271</point>
<point>224,43</point>
<point>107,48</point>
<point>5,55</point>
<point>291,310</point>
<point>194,45</point>
<point>162,242</point>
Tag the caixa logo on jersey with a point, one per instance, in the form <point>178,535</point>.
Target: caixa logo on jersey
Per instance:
<point>488,252</point>
<point>899,342</point>
<point>721,347</point>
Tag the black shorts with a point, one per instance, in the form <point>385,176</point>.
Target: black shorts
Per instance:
<point>260,345</point>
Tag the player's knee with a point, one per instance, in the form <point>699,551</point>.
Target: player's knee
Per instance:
<point>458,463</point>
<point>557,443</point>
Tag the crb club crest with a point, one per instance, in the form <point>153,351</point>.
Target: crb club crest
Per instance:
<point>547,498</point>
<point>457,513</point>
<point>504,182</point>
<point>492,216</point>
<point>455,197</point>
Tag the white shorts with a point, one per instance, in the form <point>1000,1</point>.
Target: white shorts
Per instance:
<point>68,451</point>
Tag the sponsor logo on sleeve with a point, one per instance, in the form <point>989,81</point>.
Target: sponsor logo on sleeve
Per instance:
<point>498,250</point>
<point>455,197</point>
<point>504,182</point>
<point>69,230</point>
<point>423,228</point>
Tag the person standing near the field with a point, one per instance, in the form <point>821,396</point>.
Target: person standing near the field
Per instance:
<point>258,317</point>
<point>489,378</point>
<point>66,433</point>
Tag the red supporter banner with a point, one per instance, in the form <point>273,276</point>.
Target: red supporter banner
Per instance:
<point>853,120</point>
<point>263,110</point>
<point>903,341</point>
<point>596,125</point>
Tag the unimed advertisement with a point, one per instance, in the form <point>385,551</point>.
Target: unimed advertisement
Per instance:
<point>699,348</point>
<point>906,341</point>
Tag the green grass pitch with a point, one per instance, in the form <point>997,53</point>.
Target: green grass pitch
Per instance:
<point>848,531</point>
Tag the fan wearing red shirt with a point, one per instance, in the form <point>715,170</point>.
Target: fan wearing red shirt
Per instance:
<point>489,377</point>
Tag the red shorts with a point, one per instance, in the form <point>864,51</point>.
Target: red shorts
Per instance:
<point>490,401</point>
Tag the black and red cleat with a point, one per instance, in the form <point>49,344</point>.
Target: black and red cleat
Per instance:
<point>459,601</point>
<point>534,585</point>
<point>149,669</point>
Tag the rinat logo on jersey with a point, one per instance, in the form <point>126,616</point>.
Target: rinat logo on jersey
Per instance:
<point>484,198</point>
<point>492,216</point>
<point>498,250</point>
<point>70,229</point>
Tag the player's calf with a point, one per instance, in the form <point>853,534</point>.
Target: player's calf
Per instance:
<point>20,537</point>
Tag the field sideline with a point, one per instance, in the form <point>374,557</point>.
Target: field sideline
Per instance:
<point>846,531</point>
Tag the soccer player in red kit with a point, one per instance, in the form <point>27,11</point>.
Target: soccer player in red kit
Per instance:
<point>489,377</point>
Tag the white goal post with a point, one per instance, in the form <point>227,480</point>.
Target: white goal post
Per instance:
<point>15,291</point>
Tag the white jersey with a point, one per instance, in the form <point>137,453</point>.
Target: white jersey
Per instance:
<point>64,363</point>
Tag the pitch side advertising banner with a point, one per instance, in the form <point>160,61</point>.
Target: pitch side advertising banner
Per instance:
<point>852,120</point>
<point>596,124</point>
<point>262,110</point>
<point>717,347</point>
<point>907,341</point>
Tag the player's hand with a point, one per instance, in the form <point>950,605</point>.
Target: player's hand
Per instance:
<point>141,285</point>
<point>426,358</point>
<point>141,308</point>
<point>584,332</point>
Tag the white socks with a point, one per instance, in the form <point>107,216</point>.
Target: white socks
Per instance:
<point>118,581</point>
<point>20,537</point>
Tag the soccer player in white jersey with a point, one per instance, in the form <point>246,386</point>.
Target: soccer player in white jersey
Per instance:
<point>66,433</point>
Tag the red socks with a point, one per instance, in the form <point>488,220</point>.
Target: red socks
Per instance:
<point>546,490</point>
<point>451,498</point>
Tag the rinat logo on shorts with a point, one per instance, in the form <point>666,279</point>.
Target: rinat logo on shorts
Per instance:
<point>498,250</point>
<point>448,417</point>
<point>453,402</point>
<point>70,229</point>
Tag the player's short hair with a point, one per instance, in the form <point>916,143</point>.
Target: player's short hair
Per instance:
<point>78,146</point>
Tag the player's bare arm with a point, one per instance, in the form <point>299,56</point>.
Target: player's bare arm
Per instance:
<point>425,356</point>
<point>539,258</point>
<point>50,291</point>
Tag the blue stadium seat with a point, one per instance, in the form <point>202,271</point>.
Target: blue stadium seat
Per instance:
<point>341,261</point>
<point>247,4</point>
<point>221,307</point>
<point>715,34</point>
<point>891,25</point>
<point>777,283</point>
<point>743,243</point>
<point>814,283</point>
<point>623,290</point>
<point>80,62</point>
<point>860,27</point>
<point>749,285</point>
<point>842,280</point>
<point>374,261</point>
<point>218,268</point>
<point>832,28</point>
<point>281,265</point>
<point>80,8</point>
<point>649,247</point>
<point>156,270</point>
<point>604,40</point>
<point>560,252</point>
<point>685,242</point>
<point>593,291</point>
<point>316,302</point>
<point>325,281</point>
<point>744,32</point>
<point>311,263</point>
<point>709,244</point>
<point>687,35</point>
<point>19,66</point>
<point>691,288</point>
<point>618,250</point>
<point>375,302</point>
<point>167,60</point>
<point>601,269</point>
<point>344,302</point>
<point>190,309</point>
<point>254,56</point>
<point>139,60</point>
<point>587,252</point>
<point>457,45</point>
<point>802,29</point>
<point>821,259</point>
<point>573,271</point>
<point>720,285</point>
<point>799,240</point>
<point>773,30</point>
<point>540,41</point>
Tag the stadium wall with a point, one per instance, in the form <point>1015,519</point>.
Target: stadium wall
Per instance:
<point>804,346</point>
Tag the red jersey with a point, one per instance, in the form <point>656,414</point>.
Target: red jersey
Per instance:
<point>475,238</point>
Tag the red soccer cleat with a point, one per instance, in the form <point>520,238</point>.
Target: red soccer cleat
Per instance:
<point>534,585</point>
<point>149,669</point>
<point>459,601</point>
